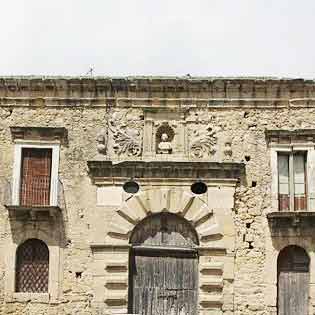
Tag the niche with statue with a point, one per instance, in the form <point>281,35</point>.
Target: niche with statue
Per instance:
<point>164,139</point>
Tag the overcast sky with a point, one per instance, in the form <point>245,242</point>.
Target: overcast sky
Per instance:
<point>158,37</point>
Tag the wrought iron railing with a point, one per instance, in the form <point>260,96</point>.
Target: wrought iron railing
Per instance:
<point>7,198</point>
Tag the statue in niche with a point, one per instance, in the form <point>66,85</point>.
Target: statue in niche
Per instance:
<point>164,136</point>
<point>101,140</point>
<point>164,147</point>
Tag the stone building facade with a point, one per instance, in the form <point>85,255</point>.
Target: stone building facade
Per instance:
<point>221,169</point>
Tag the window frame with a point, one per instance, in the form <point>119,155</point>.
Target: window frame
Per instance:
<point>309,171</point>
<point>291,172</point>
<point>18,270</point>
<point>55,267</point>
<point>17,168</point>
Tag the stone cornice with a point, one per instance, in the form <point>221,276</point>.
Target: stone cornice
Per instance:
<point>155,91</point>
<point>290,136</point>
<point>165,170</point>
<point>41,133</point>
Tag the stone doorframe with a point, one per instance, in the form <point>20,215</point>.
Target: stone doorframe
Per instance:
<point>210,214</point>
<point>274,245</point>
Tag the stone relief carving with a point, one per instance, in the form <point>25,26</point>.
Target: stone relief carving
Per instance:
<point>199,116</point>
<point>202,135</point>
<point>202,140</point>
<point>101,140</point>
<point>126,127</point>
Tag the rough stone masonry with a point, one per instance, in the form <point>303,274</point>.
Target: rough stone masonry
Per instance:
<point>165,134</point>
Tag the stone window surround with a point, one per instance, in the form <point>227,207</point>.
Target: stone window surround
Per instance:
<point>309,149</point>
<point>18,146</point>
<point>54,268</point>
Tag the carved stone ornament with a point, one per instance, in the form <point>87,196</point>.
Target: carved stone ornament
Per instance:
<point>202,140</point>
<point>126,127</point>
<point>164,137</point>
<point>101,140</point>
<point>228,147</point>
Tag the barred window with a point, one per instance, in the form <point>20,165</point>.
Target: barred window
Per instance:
<point>32,267</point>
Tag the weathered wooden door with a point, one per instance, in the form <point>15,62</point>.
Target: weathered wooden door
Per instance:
<point>293,281</point>
<point>163,267</point>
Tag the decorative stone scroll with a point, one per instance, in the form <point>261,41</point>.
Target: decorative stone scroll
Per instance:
<point>202,135</point>
<point>202,140</point>
<point>126,128</point>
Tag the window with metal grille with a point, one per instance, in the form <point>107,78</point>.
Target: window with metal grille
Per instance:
<point>36,177</point>
<point>32,267</point>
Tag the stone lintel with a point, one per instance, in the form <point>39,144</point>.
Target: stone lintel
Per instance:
<point>281,136</point>
<point>165,170</point>
<point>39,133</point>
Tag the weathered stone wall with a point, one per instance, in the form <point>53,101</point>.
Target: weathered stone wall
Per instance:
<point>238,111</point>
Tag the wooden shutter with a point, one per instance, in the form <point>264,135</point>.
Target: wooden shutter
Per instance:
<point>293,281</point>
<point>32,267</point>
<point>284,183</point>
<point>299,182</point>
<point>36,175</point>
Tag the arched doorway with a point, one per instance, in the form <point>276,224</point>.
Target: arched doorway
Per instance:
<point>163,277</point>
<point>293,281</point>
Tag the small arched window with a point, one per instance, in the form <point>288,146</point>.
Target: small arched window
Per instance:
<point>32,267</point>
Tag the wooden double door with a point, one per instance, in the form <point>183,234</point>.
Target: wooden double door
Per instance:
<point>163,277</point>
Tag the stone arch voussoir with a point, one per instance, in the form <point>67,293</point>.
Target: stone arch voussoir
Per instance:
<point>177,201</point>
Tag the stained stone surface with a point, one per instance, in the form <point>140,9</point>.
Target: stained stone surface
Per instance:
<point>219,121</point>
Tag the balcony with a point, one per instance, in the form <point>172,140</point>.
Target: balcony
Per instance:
<point>291,223</point>
<point>31,212</point>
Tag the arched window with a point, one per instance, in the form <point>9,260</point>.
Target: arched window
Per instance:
<point>293,281</point>
<point>32,267</point>
<point>163,266</point>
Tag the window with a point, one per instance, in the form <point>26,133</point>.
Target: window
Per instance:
<point>292,181</point>
<point>32,267</point>
<point>35,175</point>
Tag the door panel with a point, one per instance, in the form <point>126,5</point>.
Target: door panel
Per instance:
<point>293,289</point>
<point>164,285</point>
<point>293,281</point>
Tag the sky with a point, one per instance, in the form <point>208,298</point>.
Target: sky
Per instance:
<point>158,37</point>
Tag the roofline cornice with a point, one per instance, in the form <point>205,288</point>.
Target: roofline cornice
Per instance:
<point>127,91</point>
